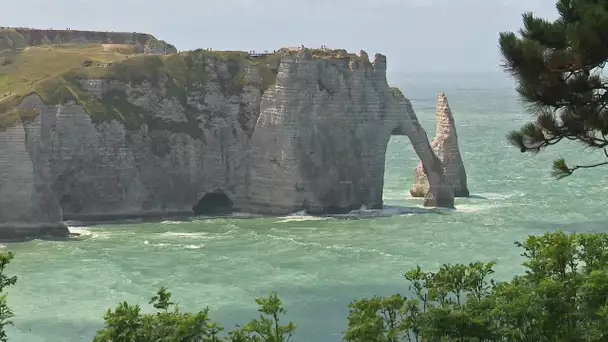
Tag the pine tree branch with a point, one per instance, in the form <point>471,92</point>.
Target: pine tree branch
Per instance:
<point>558,66</point>
<point>561,169</point>
<point>576,167</point>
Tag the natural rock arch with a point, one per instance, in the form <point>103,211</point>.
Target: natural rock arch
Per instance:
<point>439,192</point>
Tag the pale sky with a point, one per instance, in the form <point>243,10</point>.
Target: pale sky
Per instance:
<point>416,35</point>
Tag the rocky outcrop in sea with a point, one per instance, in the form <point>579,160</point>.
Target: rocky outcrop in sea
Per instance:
<point>445,146</point>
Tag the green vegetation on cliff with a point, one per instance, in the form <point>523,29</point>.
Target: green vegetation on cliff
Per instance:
<point>332,54</point>
<point>19,38</point>
<point>37,69</point>
<point>56,72</point>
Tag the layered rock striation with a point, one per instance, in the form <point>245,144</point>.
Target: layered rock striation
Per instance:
<point>205,133</point>
<point>27,205</point>
<point>445,146</point>
<point>329,122</point>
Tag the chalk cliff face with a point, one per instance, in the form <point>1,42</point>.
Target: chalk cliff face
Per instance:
<point>27,206</point>
<point>328,124</point>
<point>445,145</point>
<point>210,133</point>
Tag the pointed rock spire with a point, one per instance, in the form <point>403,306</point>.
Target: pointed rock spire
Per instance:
<point>445,146</point>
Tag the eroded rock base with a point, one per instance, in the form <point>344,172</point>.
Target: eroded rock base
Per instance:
<point>21,231</point>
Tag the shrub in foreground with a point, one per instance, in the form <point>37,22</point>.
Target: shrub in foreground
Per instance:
<point>562,296</point>
<point>126,323</point>
<point>5,281</point>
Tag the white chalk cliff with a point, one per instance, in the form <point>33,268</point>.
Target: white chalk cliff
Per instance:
<point>313,140</point>
<point>445,146</point>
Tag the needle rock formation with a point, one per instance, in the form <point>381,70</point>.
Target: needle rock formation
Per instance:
<point>114,130</point>
<point>445,146</point>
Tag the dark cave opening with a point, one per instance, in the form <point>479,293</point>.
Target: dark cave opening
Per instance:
<point>213,203</point>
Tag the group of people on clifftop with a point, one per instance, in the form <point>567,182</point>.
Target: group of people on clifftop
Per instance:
<point>266,52</point>
<point>257,53</point>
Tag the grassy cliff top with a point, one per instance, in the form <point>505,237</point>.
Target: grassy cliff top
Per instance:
<point>53,72</point>
<point>18,38</point>
<point>24,71</point>
<point>333,54</point>
<point>119,37</point>
<point>327,54</point>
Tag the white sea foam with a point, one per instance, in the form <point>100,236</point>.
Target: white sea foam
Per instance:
<point>386,211</point>
<point>302,218</point>
<point>185,234</point>
<point>87,233</point>
<point>173,222</point>
<point>244,215</point>
<point>146,242</point>
<point>194,246</point>
<point>472,208</point>
<point>336,247</point>
<point>363,212</point>
<point>193,235</point>
<point>486,201</point>
<point>496,195</point>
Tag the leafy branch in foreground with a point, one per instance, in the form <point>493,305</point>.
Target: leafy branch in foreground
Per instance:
<point>562,296</point>
<point>267,327</point>
<point>126,323</point>
<point>558,67</point>
<point>5,312</point>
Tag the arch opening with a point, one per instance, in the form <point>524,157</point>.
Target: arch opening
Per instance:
<point>213,204</point>
<point>399,164</point>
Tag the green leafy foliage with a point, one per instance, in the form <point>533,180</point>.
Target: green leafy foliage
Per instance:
<point>5,281</point>
<point>267,327</point>
<point>558,66</point>
<point>126,323</point>
<point>562,296</point>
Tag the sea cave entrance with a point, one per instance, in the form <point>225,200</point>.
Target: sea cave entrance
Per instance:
<point>213,204</point>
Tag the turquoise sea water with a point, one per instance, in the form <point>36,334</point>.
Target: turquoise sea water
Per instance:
<point>318,265</point>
